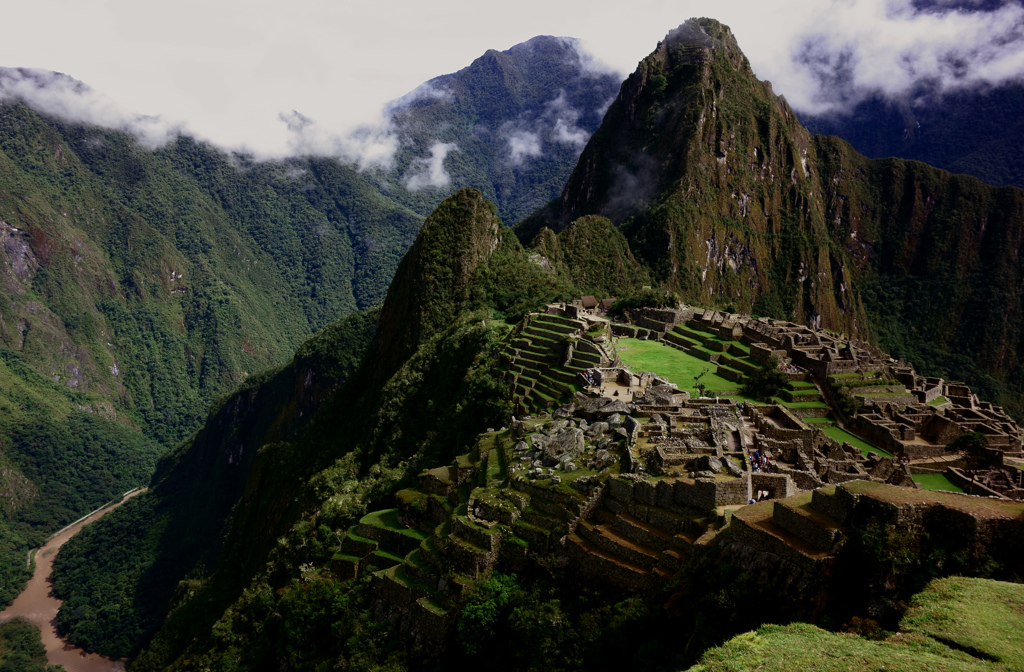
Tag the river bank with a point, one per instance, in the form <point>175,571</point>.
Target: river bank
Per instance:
<point>37,605</point>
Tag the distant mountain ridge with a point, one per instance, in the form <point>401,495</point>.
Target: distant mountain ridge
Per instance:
<point>512,124</point>
<point>732,202</point>
<point>139,285</point>
<point>977,131</point>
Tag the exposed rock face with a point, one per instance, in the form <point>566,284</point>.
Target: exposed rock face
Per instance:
<point>717,185</point>
<point>567,443</point>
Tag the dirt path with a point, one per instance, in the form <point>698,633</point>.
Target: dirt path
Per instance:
<point>37,605</point>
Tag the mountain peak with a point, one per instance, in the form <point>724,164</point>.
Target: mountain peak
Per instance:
<point>705,169</point>
<point>667,113</point>
<point>432,282</point>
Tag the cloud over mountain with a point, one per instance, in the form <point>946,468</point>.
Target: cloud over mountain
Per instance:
<point>854,49</point>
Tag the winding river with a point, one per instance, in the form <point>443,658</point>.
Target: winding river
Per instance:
<point>37,605</point>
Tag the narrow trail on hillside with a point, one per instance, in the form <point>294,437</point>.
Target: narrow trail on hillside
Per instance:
<point>37,605</point>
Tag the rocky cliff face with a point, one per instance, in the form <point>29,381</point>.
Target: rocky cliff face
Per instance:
<point>732,202</point>
<point>711,177</point>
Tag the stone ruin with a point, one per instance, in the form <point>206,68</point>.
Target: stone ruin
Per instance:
<point>629,490</point>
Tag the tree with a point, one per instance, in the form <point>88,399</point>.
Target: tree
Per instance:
<point>767,381</point>
<point>974,446</point>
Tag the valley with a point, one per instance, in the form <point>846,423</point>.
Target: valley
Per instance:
<point>36,605</point>
<point>704,384</point>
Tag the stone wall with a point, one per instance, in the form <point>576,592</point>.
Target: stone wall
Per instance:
<point>807,526</point>
<point>623,330</point>
<point>680,494</point>
<point>779,485</point>
<point>877,434</point>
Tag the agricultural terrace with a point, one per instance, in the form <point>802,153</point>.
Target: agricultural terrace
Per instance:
<point>841,435</point>
<point>674,365</point>
<point>936,482</point>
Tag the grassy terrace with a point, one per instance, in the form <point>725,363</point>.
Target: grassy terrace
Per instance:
<point>936,482</point>
<point>674,365</point>
<point>840,435</point>
<point>388,519</point>
<point>690,332</point>
<point>819,421</point>
<point>954,624</point>
<point>799,404</point>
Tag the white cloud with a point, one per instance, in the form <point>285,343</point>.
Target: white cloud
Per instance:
<point>425,91</point>
<point>430,172</point>
<point>523,145</point>
<point>564,127</point>
<point>225,70</point>
<point>589,62</point>
<point>853,49</point>
<point>61,96</point>
<point>570,135</point>
<point>370,146</point>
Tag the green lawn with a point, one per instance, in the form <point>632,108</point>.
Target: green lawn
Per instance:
<point>805,391</point>
<point>674,365</point>
<point>799,404</point>
<point>973,615</point>
<point>840,435</point>
<point>818,421</point>
<point>955,625</point>
<point>936,482</point>
<point>801,646</point>
<point>937,401</point>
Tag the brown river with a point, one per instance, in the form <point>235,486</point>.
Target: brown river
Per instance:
<point>37,605</point>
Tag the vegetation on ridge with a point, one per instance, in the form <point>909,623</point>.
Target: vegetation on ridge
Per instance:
<point>284,493</point>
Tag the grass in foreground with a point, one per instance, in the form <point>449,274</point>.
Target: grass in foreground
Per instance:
<point>674,365</point>
<point>976,615</point>
<point>936,482</point>
<point>799,646</point>
<point>840,435</point>
<point>955,624</point>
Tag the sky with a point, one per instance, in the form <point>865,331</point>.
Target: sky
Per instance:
<point>236,72</point>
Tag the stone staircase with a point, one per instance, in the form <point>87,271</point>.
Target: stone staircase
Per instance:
<point>543,361</point>
<point>634,544</point>
<point>798,529</point>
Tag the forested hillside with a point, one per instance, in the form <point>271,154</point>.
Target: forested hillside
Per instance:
<point>511,124</point>
<point>140,285</point>
<point>424,390</point>
<point>700,179</point>
<point>732,202</point>
<point>976,130</point>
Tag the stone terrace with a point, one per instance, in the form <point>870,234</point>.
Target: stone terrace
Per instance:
<point>628,492</point>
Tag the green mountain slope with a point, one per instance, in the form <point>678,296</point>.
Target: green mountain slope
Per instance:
<point>515,122</point>
<point>707,173</point>
<point>140,285</point>
<point>273,465</point>
<point>972,131</point>
<point>732,202</point>
<point>62,455</point>
<point>161,279</point>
